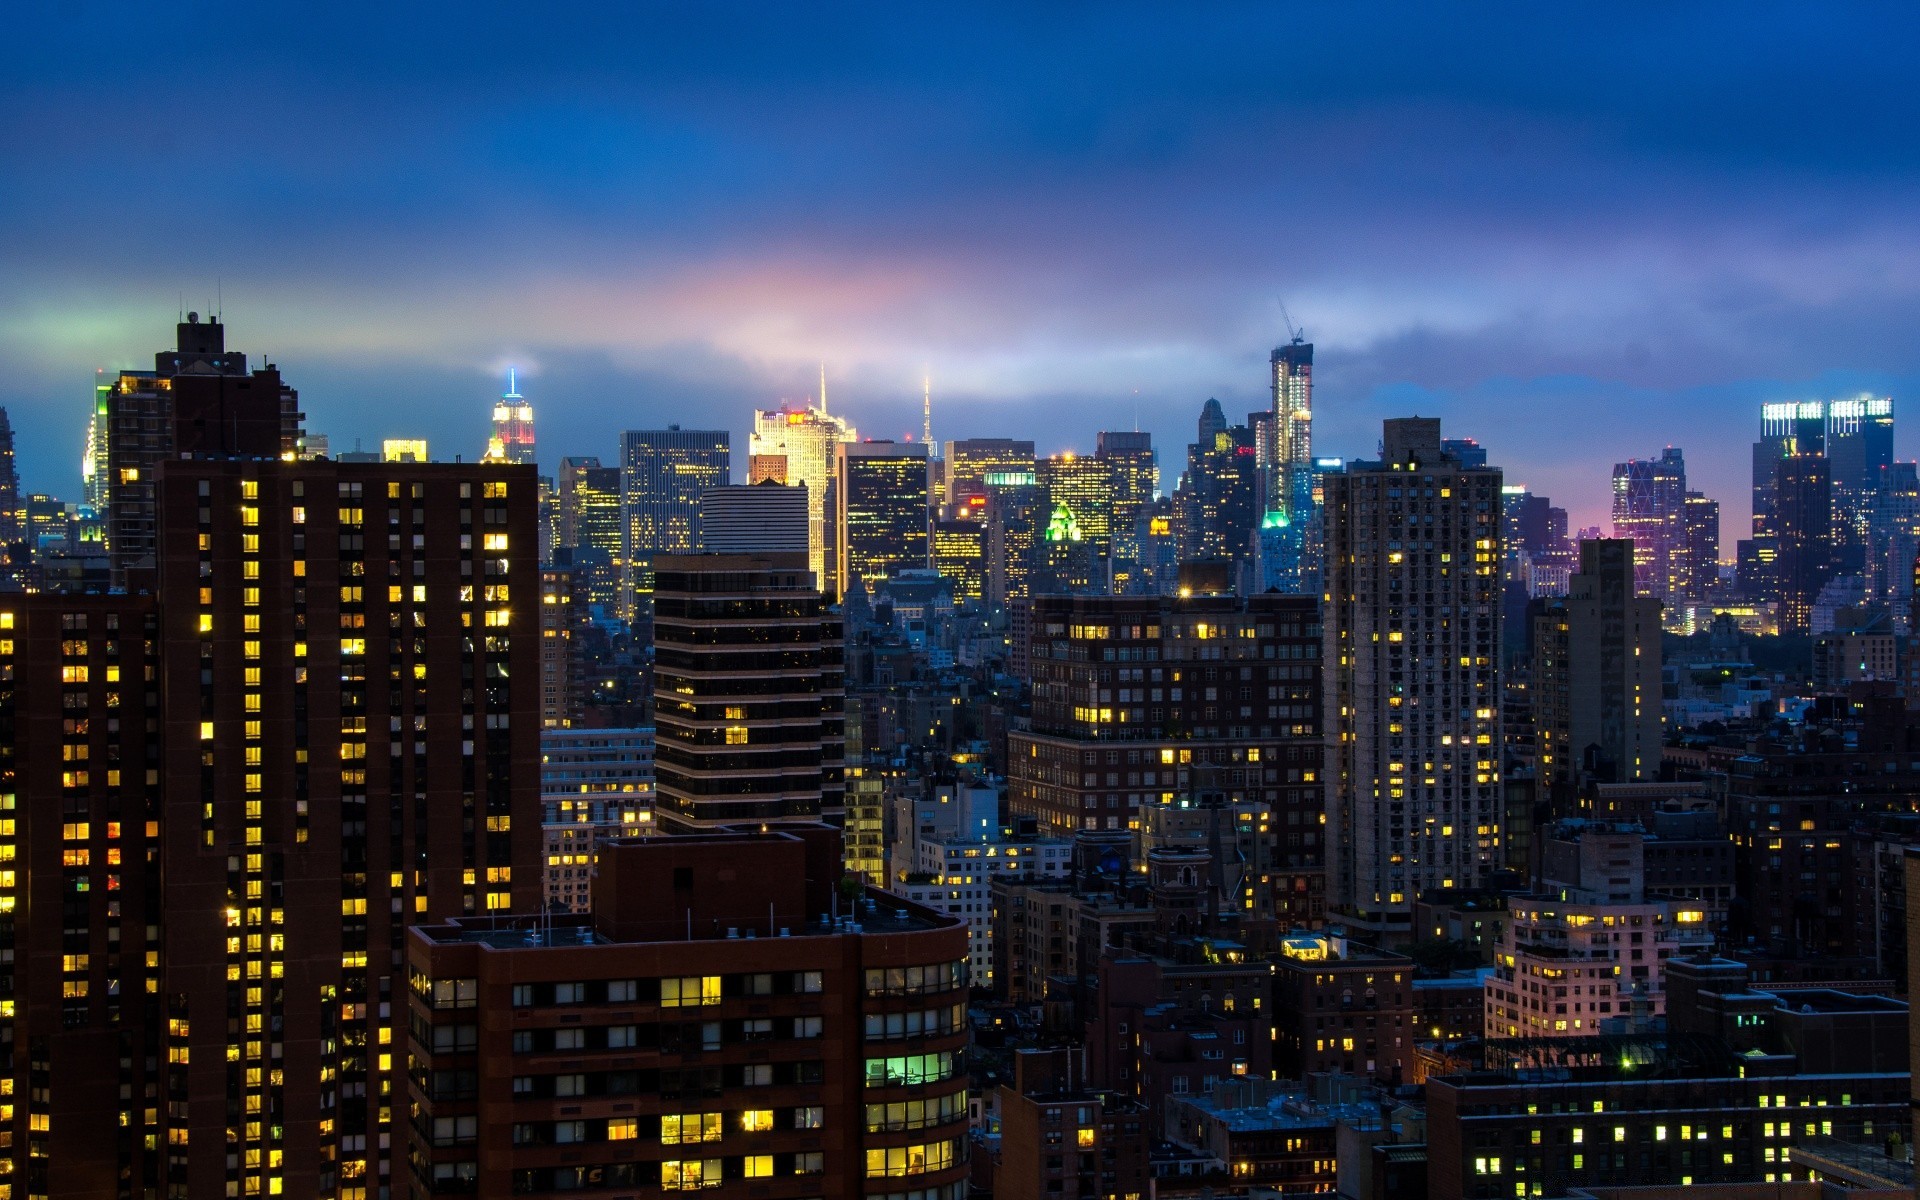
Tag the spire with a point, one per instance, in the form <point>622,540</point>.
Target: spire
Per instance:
<point>926,413</point>
<point>823,388</point>
<point>513,384</point>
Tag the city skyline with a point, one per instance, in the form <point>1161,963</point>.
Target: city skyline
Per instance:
<point>684,213</point>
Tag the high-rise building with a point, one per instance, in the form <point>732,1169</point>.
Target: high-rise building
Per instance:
<point>756,518</point>
<point>1218,501</point>
<point>1084,488</point>
<point>1413,618</point>
<point>726,1019</point>
<point>512,425</point>
<point>1595,684</point>
<point>801,441</point>
<point>199,399</point>
<point>1696,562</point>
<point>749,689</point>
<point>1223,693</point>
<point>1016,524</point>
<point>971,460</point>
<point>1134,477</point>
<point>665,472</point>
<point>959,554</point>
<point>94,465</point>
<point>560,698</point>
<point>1803,517</point>
<point>880,512</point>
<point>209,1016</point>
<point>593,523</point>
<point>1293,565</point>
<point>1649,503</point>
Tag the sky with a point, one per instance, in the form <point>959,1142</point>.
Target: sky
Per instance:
<point>1578,234</point>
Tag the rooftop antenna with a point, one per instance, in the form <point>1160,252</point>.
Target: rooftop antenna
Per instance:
<point>217,300</point>
<point>823,387</point>
<point>926,411</point>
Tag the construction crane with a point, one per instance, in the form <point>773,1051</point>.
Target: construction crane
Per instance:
<point>1297,335</point>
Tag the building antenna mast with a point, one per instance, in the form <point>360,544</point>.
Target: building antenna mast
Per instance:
<point>823,387</point>
<point>926,412</point>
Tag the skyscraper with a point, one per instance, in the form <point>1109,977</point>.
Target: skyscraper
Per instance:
<point>1412,648</point>
<point>1083,486</point>
<point>199,399</point>
<point>213,1014</point>
<point>971,460</point>
<point>758,518</point>
<point>512,425</point>
<point>1293,563</point>
<point>1595,684</point>
<point>9,487</point>
<point>1134,476</point>
<point>803,440</point>
<point>666,470</point>
<point>749,690</point>
<point>1803,517</point>
<point>880,511</point>
<point>1218,500</point>
<point>1649,497</point>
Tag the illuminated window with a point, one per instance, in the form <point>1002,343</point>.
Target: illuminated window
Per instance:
<point>689,991</point>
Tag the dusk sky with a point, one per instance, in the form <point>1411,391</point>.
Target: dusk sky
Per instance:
<point>1578,238</point>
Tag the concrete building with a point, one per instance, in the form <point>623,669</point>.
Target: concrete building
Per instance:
<point>759,518</point>
<point>749,691</point>
<point>1412,647</point>
<point>880,511</point>
<point>1061,1139</point>
<point>1589,953</point>
<point>1595,684</point>
<point>725,1020</point>
<point>594,784</point>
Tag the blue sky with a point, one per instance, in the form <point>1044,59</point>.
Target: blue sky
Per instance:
<point>1576,235</point>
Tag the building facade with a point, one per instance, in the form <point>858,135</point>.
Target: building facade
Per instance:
<point>1412,642</point>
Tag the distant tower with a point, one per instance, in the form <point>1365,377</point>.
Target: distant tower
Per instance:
<point>512,425</point>
<point>9,485</point>
<point>1291,514</point>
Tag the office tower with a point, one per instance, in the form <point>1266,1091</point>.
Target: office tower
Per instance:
<point>1135,476</point>
<point>756,518</point>
<point>10,528</point>
<point>973,459</point>
<point>1895,540</point>
<point>1215,692</point>
<point>1289,520</point>
<point>211,1015</point>
<point>1859,442</point>
<point>959,554</point>
<point>666,470</point>
<point>724,1020</point>
<point>93,463</point>
<point>1649,501</point>
<point>880,512</point>
<point>1413,649</point>
<point>1083,487</point>
<point>512,439</point>
<point>560,700</point>
<point>1218,499</point>
<point>1466,451</point>
<point>199,399</point>
<point>748,687</point>
<point>1595,684</point>
<point>593,523</point>
<point>801,441</point>
<point>1016,522</point>
<point>1803,517</point>
<point>1696,567</point>
<point>1785,429</point>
